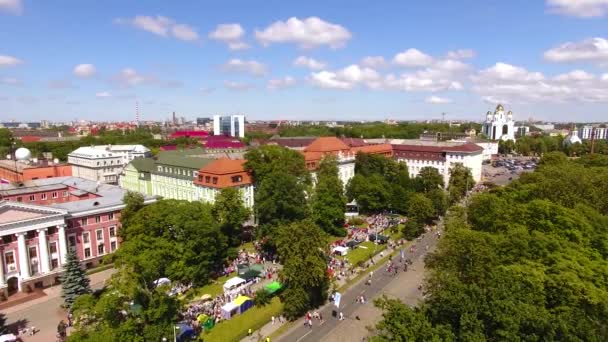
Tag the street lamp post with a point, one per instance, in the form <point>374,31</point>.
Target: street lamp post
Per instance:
<point>175,328</point>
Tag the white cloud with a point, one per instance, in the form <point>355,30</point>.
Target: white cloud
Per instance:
<point>590,49</point>
<point>231,34</point>
<point>10,81</point>
<point>461,54</point>
<point>605,77</point>
<point>579,8</point>
<point>374,62</point>
<point>184,32</point>
<point>161,26</point>
<point>574,76</point>
<point>103,94</point>
<point>9,61</point>
<point>131,77</point>
<point>309,63</point>
<point>347,78</point>
<point>84,70</point>
<point>412,58</point>
<point>281,83</point>
<point>248,66</point>
<point>307,33</point>
<point>11,6</point>
<point>240,86</point>
<point>437,100</point>
<point>516,84</point>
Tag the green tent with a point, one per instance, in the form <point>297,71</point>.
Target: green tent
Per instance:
<point>273,287</point>
<point>209,324</point>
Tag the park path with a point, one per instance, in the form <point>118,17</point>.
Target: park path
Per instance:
<point>44,313</point>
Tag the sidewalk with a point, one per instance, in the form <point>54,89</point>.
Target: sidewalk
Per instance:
<point>52,292</point>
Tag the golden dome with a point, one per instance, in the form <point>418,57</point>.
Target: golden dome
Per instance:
<point>499,108</point>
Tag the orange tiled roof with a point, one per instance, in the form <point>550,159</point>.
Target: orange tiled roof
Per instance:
<point>374,149</point>
<point>327,145</point>
<point>223,173</point>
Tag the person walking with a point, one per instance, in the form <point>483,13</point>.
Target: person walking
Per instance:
<point>341,316</point>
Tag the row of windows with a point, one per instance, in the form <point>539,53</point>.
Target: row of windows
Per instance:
<point>43,196</point>
<point>183,172</point>
<point>97,219</point>
<point>86,236</point>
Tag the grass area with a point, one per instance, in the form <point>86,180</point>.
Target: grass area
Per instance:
<point>248,246</point>
<point>214,288</point>
<point>99,269</point>
<point>236,328</point>
<point>357,255</point>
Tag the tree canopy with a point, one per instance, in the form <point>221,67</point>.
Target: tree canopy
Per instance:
<point>527,262</point>
<point>230,213</point>
<point>328,200</point>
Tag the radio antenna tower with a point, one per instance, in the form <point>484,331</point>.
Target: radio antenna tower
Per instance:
<point>137,112</point>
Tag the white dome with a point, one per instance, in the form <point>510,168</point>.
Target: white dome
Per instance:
<point>23,153</point>
<point>572,139</point>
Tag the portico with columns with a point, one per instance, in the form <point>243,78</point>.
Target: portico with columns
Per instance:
<point>32,245</point>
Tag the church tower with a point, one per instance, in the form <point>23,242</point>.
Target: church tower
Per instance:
<point>498,125</point>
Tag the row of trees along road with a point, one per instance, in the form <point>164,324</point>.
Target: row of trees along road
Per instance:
<point>527,262</point>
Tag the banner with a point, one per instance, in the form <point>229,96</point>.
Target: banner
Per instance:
<point>337,297</point>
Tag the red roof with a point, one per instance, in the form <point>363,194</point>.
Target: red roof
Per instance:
<point>464,148</point>
<point>29,138</point>
<point>327,145</point>
<point>189,134</point>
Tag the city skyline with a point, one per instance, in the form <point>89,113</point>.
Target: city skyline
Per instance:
<point>546,59</point>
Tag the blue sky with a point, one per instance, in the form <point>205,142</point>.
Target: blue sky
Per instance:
<point>546,59</point>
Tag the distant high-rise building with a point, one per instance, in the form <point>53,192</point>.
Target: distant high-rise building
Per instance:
<point>232,125</point>
<point>203,121</point>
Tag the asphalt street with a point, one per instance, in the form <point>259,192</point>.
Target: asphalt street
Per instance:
<point>401,286</point>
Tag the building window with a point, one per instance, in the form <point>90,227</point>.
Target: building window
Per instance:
<point>97,219</point>
<point>7,239</point>
<point>214,180</point>
<point>99,233</point>
<point>9,258</point>
<point>72,240</point>
<point>100,249</point>
<point>53,247</point>
<point>207,179</point>
<point>55,194</point>
<point>54,263</point>
<point>51,230</point>
<point>32,198</point>
<point>65,194</point>
<point>112,231</point>
<point>113,246</point>
<point>83,222</point>
<point>160,169</point>
<point>110,216</point>
<point>237,179</point>
<point>19,199</point>
<point>87,252</point>
<point>86,237</point>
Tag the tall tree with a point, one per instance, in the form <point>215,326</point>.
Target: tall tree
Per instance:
<point>74,281</point>
<point>428,179</point>
<point>301,247</point>
<point>328,200</point>
<point>230,212</point>
<point>461,181</point>
<point>420,209</point>
<point>439,198</point>
<point>264,161</point>
<point>133,201</point>
<point>372,193</point>
<point>280,199</point>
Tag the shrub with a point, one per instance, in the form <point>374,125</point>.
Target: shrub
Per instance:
<point>262,298</point>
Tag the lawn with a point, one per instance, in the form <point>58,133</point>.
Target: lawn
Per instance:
<point>214,288</point>
<point>359,254</point>
<point>236,328</point>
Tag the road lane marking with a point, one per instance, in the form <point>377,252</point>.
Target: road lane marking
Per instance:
<point>298,340</point>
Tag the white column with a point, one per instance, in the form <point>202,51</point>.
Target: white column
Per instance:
<point>24,263</point>
<point>44,250</point>
<point>2,269</point>
<point>63,245</point>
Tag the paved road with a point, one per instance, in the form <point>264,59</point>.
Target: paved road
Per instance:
<point>45,313</point>
<point>403,286</point>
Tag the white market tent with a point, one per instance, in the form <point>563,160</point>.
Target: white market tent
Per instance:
<point>340,250</point>
<point>229,310</point>
<point>162,281</point>
<point>8,338</point>
<point>233,283</point>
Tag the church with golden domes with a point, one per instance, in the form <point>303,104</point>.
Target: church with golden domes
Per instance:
<point>499,126</point>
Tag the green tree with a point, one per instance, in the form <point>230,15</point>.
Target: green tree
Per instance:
<point>74,281</point>
<point>133,201</point>
<point>428,179</point>
<point>372,193</point>
<point>461,181</point>
<point>420,209</point>
<point>230,212</point>
<point>328,200</point>
<point>265,161</point>
<point>439,198</point>
<point>280,199</point>
<point>261,298</point>
<point>301,247</point>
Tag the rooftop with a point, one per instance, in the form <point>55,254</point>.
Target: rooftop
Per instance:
<point>9,164</point>
<point>326,145</point>
<point>225,166</point>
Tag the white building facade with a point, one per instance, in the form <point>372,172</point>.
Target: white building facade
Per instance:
<point>442,158</point>
<point>232,125</point>
<point>95,164</point>
<point>598,133</point>
<point>500,125</point>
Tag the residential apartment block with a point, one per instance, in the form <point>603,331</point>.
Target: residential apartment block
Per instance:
<point>104,163</point>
